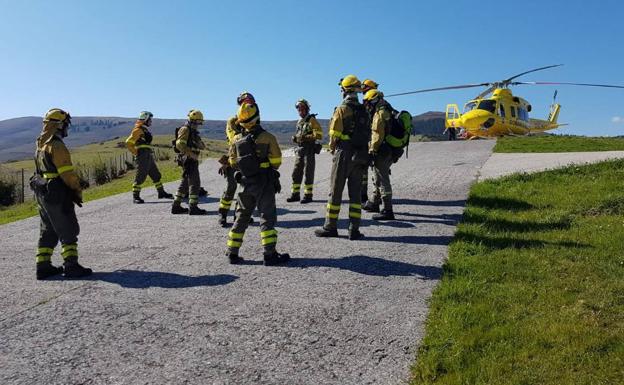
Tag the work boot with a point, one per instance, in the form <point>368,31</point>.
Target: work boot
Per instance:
<point>223,219</point>
<point>294,197</point>
<point>371,207</point>
<point>385,215</point>
<point>162,194</point>
<point>276,259</point>
<point>364,197</point>
<point>235,259</point>
<point>195,210</point>
<point>202,192</point>
<point>307,198</point>
<point>178,209</point>
<point>72,269</point>
<point>46,270</point>
<point>325,233</point>
<point>354,235</point>
<point>136,198</point>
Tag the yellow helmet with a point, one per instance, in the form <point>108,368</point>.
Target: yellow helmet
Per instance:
<point>372,95</point>
<point>350,83</point>
<point>195,115</point>
<point>369,84</point>
<point>248,115</point>
<point>56,114</point>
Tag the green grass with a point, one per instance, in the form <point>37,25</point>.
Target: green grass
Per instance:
<point>558,143</point>
<point>533,289</point>
<point>93,153</point>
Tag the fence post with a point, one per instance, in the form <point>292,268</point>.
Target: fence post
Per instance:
<point>23,194</point>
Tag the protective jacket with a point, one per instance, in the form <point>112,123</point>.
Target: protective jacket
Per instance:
<point>232,128</point>
<point>348,116</point>
<point>188,142</point>
<point>381,125</point>
<point>267,148</point>
<point>308,130</point>
<point>140,138</point>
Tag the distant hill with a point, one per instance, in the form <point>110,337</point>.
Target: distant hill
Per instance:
<point>17,136</point>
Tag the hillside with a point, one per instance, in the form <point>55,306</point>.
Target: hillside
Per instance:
<point>17,135</point>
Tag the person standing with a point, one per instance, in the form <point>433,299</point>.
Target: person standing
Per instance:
<point>140,145</point>
<point>349,132</point>
<point>232,128</point>
<point>380,154</point>
<point>57,189</point>
<point>308,132</point>
<point>367,85</point>
<point>256,156</point>
<point>188,144</point>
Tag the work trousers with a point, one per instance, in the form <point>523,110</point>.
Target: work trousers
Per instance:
<point>57,222</point>
<point>256,193</point>
<point>305,162</point>
<point>146,166</point>
<point>190,182</point>
<point>381,179</point>
<point>347,168</point>
<point>230,189</point>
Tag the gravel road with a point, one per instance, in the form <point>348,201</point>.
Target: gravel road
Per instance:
<point>165,307</point>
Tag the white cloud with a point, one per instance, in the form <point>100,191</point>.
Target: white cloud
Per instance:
<point>617,119</point>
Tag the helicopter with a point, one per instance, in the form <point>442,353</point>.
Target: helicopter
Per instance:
<point>502,113</point>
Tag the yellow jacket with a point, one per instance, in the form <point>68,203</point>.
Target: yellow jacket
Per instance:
<point>232,129</point>
<point>308,130</point>
<point>341,114</point>
<point>379,127</point>
<point>54,159</point>
<point>267,149</point>
<point>189,143</point>
<point>136,139</point>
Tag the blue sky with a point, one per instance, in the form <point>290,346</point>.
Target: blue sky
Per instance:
<point>116,58</point>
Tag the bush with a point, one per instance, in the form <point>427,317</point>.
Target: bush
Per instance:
<point>101,174</point>
<point>129,165</point>
<point>162,155</point>
<point>83,177</point>
<point>8,191</point>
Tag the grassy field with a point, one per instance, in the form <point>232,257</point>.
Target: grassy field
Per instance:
<point>558,143</point>
<point>93,153</point>
<point>533,290</point>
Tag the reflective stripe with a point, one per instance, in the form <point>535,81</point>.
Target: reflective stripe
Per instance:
<point>50,175</point>
<point>193,196</point>
<point>354,215</point>
<point>143,146</point>
<point>355,206</point>
<point>234,235</point>
<point>268,241</point>
<point>275,161</point>
<point>332,216</point>
<point>232,243</point>
<point>130,140</point>
<point>268,233</point>
<point>65,169</point>
<point>182,141</point>
<point>333,207</point>
<point>225,204</point>
<point>44,250</point>
<point>308,187</point>
<point>265,165</point>
<point>43,258</point>
<point>339,135</point>
<point>296,188</point>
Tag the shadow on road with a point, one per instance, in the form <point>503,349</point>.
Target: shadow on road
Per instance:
<point>283,211</point>
<point>136,279</point>
<point>362,264</point>
<point>429,203</point>
<point>442,240</point>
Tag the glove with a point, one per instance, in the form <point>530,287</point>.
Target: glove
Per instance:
<point>223,169</point>
<point>224,160</point>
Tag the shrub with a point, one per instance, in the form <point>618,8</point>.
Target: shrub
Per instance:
<point>100,172</point>
<point>129,165</point>
<point>8,191</point>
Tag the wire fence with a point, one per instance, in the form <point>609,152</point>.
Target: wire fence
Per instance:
<point>14,184</point>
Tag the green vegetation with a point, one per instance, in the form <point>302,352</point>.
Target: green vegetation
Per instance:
<point>558,143</point>
<point>533,290</point>
<point>92,156</point>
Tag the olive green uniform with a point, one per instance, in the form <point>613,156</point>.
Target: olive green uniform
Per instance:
<point>257,192</point>
<point>189,145</point>
<point>308,132</point>
<point>58,220</point>
<point>231,130</point>
<point>383,160</point>
<point>348,164</point>
<point>140,145</point>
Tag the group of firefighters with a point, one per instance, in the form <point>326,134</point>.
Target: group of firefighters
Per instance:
<point>357,140</point>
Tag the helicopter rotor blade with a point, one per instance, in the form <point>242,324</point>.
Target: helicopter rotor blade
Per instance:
<point>567,84</point>
<point>528,72</point>
<point>440,89</point>
<point>487,91</point>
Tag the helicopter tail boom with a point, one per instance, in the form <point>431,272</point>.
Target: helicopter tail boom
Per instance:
<point>554,113</point>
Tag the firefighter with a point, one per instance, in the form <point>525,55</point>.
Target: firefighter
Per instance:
<point>140,145</point>
<point>231,130</point>
<point>349,132</point>
<point>380,154</point>
<point>188,144</point>
<point>256,156</point>
<point>308,132</point>
<point>57,189</point>
<point>367,85</point>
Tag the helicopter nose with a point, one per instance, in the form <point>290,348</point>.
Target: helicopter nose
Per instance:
<point>475,118</point>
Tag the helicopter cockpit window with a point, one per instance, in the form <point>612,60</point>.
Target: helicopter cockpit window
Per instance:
<point>487,105</point>
<point>513,111</point>
<point>523,114</point>
<point>501,110</point>
<point>470,106</point>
